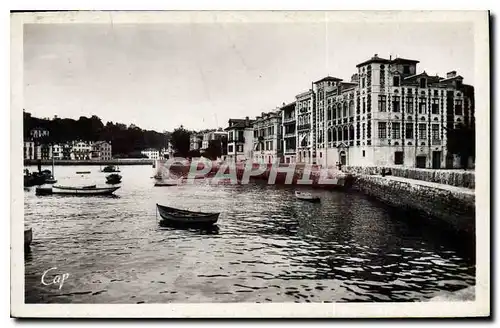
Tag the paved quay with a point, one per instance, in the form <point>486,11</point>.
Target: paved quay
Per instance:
<point>436,185</point>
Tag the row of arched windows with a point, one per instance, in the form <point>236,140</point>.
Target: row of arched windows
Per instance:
<point>345,133</point>
<point>340,110</point>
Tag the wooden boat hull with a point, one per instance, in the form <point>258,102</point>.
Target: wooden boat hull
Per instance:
<point>165,184</point>
<point>307,197</point>
<point>182,217</point>
<point>28,237</point>
<point>75,191</point>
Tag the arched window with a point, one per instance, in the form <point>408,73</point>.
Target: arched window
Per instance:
<point>329,113</point>
<point>346,135</point>
<point>351,108</point>
<point>344,112</point>
<point>351,132</point>
<point>329,132</point>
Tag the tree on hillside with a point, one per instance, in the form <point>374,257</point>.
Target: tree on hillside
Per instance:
<point>180,140</point>
<point>462,142</point>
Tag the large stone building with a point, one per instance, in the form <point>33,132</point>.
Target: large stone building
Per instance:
<point>240,140</point>
<point>267,138</point>
<point>102,151</point>
<point>388,114</point>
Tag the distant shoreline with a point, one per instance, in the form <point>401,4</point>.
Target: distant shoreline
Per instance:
<point>117,161</point>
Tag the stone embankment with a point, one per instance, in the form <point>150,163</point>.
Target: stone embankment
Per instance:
<point>451,204</point>
<point>116,161</point>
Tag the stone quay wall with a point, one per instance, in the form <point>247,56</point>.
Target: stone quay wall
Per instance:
<point>458,178</point>
<point>116,161</point>
<point>454,207</point>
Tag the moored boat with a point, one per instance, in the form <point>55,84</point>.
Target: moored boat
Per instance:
<point>110,169</point>
<point>307,196</point>
<point>78,191</point>
<point>165,184</point>
<point>82,172</point>
<point>113,178</point>
<point>174,216</point>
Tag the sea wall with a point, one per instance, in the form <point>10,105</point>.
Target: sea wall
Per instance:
<point>454,207</point>
<point>116,161</point>
<point>458,178</point>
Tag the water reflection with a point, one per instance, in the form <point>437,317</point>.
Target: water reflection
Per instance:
<point>266,247</point>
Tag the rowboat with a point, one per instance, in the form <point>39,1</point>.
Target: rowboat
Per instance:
<point>28,237</point>
<point>307,196</point>
<point>165,184</point>
<point>113,178</point>
<point>76,191</point>
<point>110,168</point>
<point>177,216</point>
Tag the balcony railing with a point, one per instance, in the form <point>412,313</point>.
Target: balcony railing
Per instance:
<point>289,151</point>
<point>288,135</point>
<point>236,140</point>
<point>304,127</point>
<point>289,119</point>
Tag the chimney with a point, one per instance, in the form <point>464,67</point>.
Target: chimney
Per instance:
<point>247,121</point>
<point>451,74</point>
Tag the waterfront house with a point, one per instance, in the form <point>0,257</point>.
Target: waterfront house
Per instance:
<point>102,151</point>
<point>81,150</point>
<point>388,114</point>
<point>57,151</point>
<point>289,132</point>
<point>267,138</point>
<point>304,127</point>
<point>240,140</point>
<point>29,150</point>
<point>151,153</point>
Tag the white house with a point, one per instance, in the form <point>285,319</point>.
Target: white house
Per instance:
<point>151,153</point>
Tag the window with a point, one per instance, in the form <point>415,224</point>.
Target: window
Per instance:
<point>382,103</point>
<point>422,131</point>
<point>363,82</point>
<point>395,104</point>
<point>364,105</point>
<point>344,111</point>
<point>395,81</point>
<point>406,69</point>
<point>435,131</point>
<point>230,148</point>
<point>398,157</point>
<point>396,131</point>
<point>409,131</point>
<point>423,83</point>
<point>421,106</point>
<point>231,136</point>
<point>240,135</point>
<point>458,107</point>
<point>329,113</point>
<point>435,106</point>
<point>363,152</point>
<point>351,108</point>
<point>409,105</point>
<point>382,130</point>
<point>364,125</point>
<point>240,148</point>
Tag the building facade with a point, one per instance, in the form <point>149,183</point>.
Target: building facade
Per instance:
<point>195,141</point>
<point>389,115</point>
<point>289,133</point>
<point>102,151</point>
<point>267,138</point>
<point>81,150</point>
<point>239,140</point>
<point>151,153</point>
<point>29,150</point>
<point>304,126</point>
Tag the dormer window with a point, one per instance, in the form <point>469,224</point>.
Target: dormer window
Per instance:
<point>423,83</point>
<point>395,81</point>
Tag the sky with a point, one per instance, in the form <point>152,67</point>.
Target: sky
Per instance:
<point>161,76</point>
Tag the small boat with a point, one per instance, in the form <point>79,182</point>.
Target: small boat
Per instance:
<point>110,169</point>
<point>165,184</point>
<point>28,237</point>
<point>82,172</point>
<point>78,191</point>
<point>50,180</point>
<point>113,178</point>
<point>307,196</point>
<point>174,216</point>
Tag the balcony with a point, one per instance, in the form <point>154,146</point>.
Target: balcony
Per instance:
<point>236,140</point>
<point>304,127</point>
<point>436,142</point>
<point>289,135</point>
<point>289,151</point>
<point>289,119</point>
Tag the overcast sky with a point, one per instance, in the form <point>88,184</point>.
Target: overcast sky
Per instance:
<point>159,76</point>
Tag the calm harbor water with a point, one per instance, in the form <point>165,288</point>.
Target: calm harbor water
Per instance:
<point>270,247</point>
